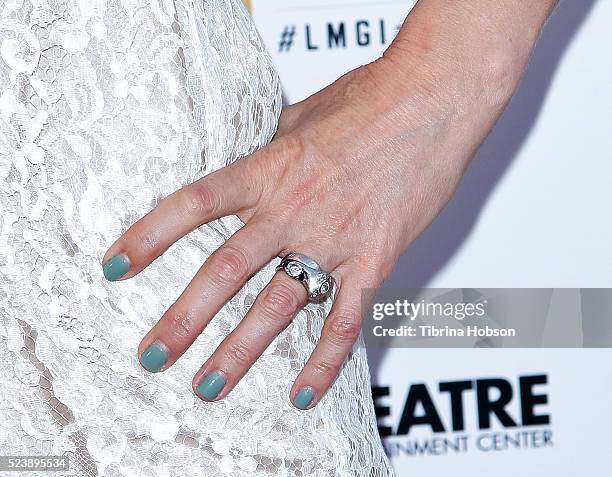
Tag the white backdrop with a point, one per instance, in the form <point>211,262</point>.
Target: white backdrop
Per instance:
<point>532,211</point>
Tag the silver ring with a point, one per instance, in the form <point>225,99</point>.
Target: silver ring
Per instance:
<point>318,283</point>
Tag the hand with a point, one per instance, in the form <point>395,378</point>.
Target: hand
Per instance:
<point>352,176</point>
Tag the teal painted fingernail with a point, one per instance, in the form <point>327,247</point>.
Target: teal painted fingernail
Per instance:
<point>211,385</point>
<point>303,399</point>
<point>116,267</point>
<point>154,357</point>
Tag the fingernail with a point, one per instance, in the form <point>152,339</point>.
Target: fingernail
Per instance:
<point>303,398</point>
<point>154,357</point>
<point>211,385</point>
<point>116,267</point>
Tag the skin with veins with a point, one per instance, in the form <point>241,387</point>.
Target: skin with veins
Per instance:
<point>354,174</point>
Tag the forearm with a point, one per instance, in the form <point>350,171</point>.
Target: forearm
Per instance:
<point>468,48</point>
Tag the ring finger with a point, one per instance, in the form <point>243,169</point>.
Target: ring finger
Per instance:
<point>273,310</point>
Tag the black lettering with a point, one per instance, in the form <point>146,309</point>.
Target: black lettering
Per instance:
<point>363,33</point>
<point>336,38</point>
<point>455,390</point>
<point>529,400</point>
<point>486,407</point>
<point>309,44</point>
<point>418,394</point>
<point>381,411</point>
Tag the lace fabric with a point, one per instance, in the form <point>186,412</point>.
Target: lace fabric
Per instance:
<point>106,106</point>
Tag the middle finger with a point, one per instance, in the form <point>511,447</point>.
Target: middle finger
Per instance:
<point>217,280</point>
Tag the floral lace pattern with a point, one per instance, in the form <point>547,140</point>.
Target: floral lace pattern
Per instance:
<point>106,106</point>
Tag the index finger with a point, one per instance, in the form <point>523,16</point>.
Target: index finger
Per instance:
<point>227,191</point>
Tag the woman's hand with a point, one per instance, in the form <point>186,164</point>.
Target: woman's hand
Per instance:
<point>352,176</point>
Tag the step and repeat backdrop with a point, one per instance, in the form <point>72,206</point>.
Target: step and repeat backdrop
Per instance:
<point>529,213</point>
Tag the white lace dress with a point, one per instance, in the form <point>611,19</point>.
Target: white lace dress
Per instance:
<point>105,107</point>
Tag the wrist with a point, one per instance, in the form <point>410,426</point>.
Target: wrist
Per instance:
<point>472,54</point>
<point>453,79</point>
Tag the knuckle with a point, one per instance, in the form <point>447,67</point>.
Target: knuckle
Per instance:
<point>325,368</point>
<point>199,199</point>
<point>182,325</point>
<point>148,241</point>
<point>229,267</point>
<point>281,157</point>
<point>342,330</point>
<point>280,302</point>
<point>239,353</point>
